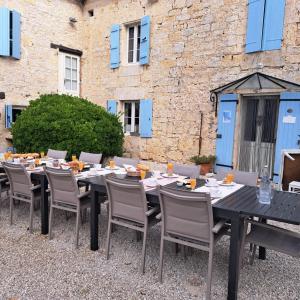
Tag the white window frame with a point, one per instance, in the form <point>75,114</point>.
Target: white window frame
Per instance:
<point>132,129</point>
<point>135,25</point>
<point>62,74</point>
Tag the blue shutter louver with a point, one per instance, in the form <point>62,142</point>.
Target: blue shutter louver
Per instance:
<point>145,129</point>
<point>145,40</point>
<point>112,106</point>
<point>255,25</point>
<point>8,115</point>
<point>16,35</point>
<point>273,24</point>
<point>226,129</point>
<point>4,31</point>
<point>115,46</point>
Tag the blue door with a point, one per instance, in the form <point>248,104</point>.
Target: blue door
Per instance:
<point>225,132</point>
<point>288,132</point>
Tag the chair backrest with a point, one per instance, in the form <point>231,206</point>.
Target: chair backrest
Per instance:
<point>63,185</point>
<point>19,179</point>
<point>56,154</point>
<point>120,161</point>
<point>247,178</point>
<point>92,158</point>
<point>186,214</point>
<point>191,171</point>
<point>127,199</point>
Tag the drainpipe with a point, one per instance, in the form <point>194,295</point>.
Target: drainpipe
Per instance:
<point>200,132</point>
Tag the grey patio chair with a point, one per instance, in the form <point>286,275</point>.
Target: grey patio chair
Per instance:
<point>128,207</point>
<point>247,178</point>
<point>270,237</point>
<point>187,170</point>
<point>65,195</point>
<point>187,219</point>
<point>91,158</point>
<point>21,188</point>
<point>56,154</point>
<point>120,161</point>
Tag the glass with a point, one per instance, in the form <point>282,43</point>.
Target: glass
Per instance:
<point>81,165</point>
<point>143,174</point>
<point>170,168</point>
<point>193,183</point>
<point>74,158</point>
<point>229,178</point>
<point>6,156</point>
<point>37,162</point>
<point>112,164</point>
<point>42,154</point>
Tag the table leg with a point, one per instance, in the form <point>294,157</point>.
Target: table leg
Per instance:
<point>94,220</point>
<point>44,206</point>
<point>262,251</point>
<point>237,226</point>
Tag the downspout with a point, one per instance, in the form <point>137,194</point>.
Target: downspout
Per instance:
<point>200,132</point>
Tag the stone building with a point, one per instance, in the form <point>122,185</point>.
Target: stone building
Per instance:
<point>163,87</point>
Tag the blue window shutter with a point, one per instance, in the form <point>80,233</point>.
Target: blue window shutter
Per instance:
<point>8,116</point>
<point>4,31</point>
<point>16,35</point>
<point>145,41</point>
<point>287,132</point>
<point>112,106</point>
<point>146,118</point>
<point>115,46</point>
<point>255,25</point>
<point>226,129</point>
<point>273,24</point>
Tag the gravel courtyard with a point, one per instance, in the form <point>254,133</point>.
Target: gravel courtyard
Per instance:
<point>32,267</point>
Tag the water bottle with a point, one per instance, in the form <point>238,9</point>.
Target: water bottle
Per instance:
<point>265,187</point>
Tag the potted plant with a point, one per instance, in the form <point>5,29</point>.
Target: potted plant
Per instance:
<point>205,162</point>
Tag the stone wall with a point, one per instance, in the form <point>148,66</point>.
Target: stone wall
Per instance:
<point>42,22</point>
<point>195,46</point>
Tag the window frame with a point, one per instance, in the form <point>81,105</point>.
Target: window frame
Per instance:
<point>136,45</point>
<point>133,117</point>
<point>62,74</point>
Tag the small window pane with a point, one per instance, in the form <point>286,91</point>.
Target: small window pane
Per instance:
<point>74,74</point>
<point>67,84</point>
<point>131,32</point>
<point>68,73</point>
<point>74,85</point>
<point>130,56</point>
<point>68,61</point>
<point>138,44</point>
<point>74,63</point>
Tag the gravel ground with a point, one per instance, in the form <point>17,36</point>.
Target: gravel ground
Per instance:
<point>32,267</point>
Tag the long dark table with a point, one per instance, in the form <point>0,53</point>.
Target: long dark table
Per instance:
<point>284,207</point>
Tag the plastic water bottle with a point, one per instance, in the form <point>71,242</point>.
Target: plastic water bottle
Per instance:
<point>265,187</point>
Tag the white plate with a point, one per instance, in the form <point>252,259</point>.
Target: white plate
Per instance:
<point>227,184</point>
<point>112,169</point>
<point>170,176</point>
<point>208,185</point>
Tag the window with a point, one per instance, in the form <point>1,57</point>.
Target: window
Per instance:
<point>265,25</point>
<point>69,74</point>
<point>11,113</point>
<point>131,116</point>
<point>133,37</point>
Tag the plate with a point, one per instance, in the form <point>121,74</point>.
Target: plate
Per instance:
<point>208,185</point>
<point>112,169</point>
<point>227,184</point>
<point>165,175</point>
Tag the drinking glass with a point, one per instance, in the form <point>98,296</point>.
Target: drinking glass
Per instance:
<point>193,183</point>
<point>112,164</point>
<point>143,174</point>
<point>230,178</point>
<point>170,168</point>
<point>42,154</point>
<point>81,165</point>
<point>74,158</point>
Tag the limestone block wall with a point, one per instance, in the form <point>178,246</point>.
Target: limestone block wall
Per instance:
<point>42,22</point>
<point>195,46</point>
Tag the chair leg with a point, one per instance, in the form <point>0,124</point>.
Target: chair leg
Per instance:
<point>144,250</point>
<point>50,222</point>
<point>253,254</point>
<point>209,274</point>
<point>161,258</point>
<point>11,207</point>
<point>31,216</point>
<point>108,239</point>
<point>77,226</point>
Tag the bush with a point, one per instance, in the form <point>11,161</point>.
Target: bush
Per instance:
<point>69,123</point>
<point>198,160</point>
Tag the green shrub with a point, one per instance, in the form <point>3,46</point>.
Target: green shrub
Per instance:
<point>198,160</point>
<point>69,123</point>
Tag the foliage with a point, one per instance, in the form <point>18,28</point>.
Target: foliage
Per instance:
<point>198,160</point>
<point>64,122</point>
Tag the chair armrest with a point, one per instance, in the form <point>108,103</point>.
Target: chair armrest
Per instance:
<point>82,195</point>
<point>158,217</point>
<point>35,187</point>
<point>219,226</point>
<point>3,179</point>
<point>151,211</point>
